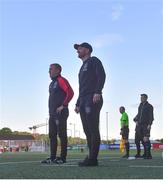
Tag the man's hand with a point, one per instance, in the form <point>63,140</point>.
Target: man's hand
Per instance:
<point>121,132</point>
<point>149,127</point>
<point>77,109</point>
<point>96,98</point>
<point>59,109</point>
<point>135,119</point>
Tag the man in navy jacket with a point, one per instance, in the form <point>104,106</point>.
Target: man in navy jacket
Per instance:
<point>89,103</point>
<point>144,120</point>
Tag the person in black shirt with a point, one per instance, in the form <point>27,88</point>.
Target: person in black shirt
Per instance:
<point>60,94</point>
<point>89,102</point>
<point>143,121</point>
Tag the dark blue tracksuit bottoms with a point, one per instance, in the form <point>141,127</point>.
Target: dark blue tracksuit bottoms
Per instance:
<point>58,126</point>
<point>90,114</point>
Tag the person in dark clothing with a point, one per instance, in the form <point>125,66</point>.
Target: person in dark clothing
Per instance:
<point>60,94</point>
<point>143,120</point>
<point>125,129</point>
<point>89,103</point>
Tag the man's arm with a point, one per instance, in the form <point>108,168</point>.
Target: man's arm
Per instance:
<point>136,118</point>
<point>151,117</point>
<point>100,75</point>
<point>65,86</point>
<point>77,105</point>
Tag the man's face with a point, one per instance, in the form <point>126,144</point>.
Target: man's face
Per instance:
<point>82,52</point>
<point>121,110</point>
<point>53,71</point>
<point>143,99</point>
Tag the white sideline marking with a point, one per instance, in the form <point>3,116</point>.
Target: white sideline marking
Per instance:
<point>18,162</point>
<point>114,160</point>
<point>131,158</point>
<point>145,166</point>
<point>58,165</point>
<point>66,164</point>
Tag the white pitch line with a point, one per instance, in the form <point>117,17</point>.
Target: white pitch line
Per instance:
<point>145,166</point>
<point>114,160</point>
<point>18,162</point>
<point>59,165</point>
<point>69,161</point>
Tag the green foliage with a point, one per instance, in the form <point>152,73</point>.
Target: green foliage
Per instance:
<point>43,137</point>
<point>160,140</point>
<point>76,140</point>
<point>5,131</point>
<point>20,133</point>
<point>111,141</point>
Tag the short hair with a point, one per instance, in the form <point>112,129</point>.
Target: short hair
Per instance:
<point>122,107</point>
<point>58,66</point>
<point>145,95</point>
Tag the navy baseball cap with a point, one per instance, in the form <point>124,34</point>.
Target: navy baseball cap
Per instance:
<point>145,95</point>
<point>86,45</point>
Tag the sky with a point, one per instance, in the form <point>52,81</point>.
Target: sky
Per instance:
<point>127,36</point>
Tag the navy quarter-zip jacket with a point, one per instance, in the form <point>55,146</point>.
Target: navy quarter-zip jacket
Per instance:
<point>91,78</point>
<point>145,114</point>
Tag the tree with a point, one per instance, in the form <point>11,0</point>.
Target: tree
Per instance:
<point>21,133</point>
<point>160,140</point>
<point>5,131</point>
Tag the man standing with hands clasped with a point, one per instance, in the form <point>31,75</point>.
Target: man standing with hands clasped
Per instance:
<point>143,120</point>
<point>60,94</point>
<point>89,103</point>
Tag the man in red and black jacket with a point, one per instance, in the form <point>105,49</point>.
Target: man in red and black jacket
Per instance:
<point>60,94</point>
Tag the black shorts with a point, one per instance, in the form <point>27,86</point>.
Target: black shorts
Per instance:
<point>125,132</point>
<point>141,131</point>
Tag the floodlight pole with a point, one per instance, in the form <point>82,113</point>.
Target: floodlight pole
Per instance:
<point>46,126</point>
<point>70,131</point>
<point>107,127</point>
<point>74,128</point>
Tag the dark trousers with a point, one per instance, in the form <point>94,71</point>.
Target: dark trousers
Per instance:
<point>141,131</point>
<point>138,138</point>
<point>90,114</point>
<point>58,126</point>
<point>125,134</point>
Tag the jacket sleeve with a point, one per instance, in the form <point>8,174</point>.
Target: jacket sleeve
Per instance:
<point>136,118</point>
<point>100,74</point>
<point>78,102</point>
<point>151,117</point>
<point>65,86</point>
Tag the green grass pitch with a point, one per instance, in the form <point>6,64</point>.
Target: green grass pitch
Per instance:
<point>26,165</point>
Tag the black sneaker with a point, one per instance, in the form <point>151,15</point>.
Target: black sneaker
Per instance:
<point>138,156</point>
<point>88,162</point>
<point>86,159</point>
<point>59,160</point>
<point>125,156</point>
<point>148,157</point>
<point>143,156</point>
<point>47,161</point>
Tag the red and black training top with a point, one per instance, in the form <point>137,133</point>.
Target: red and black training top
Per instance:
<point>60,93</point>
